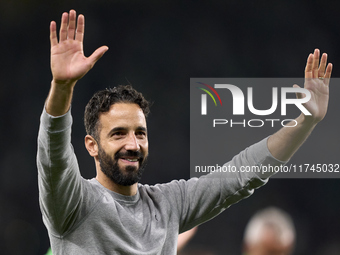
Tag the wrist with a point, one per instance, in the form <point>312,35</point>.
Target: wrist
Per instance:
<point>307,121</point>
<point>59,98</point>
<point>63,85</point>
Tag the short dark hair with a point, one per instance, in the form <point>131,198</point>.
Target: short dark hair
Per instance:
<point>102,100</point>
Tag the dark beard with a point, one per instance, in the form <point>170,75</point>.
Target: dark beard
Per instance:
<point>110,167</point>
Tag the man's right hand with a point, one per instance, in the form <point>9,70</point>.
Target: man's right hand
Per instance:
<point>68,63</point>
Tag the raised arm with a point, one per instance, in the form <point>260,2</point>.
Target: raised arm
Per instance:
<point>68,63</point>
<point>287,140</point>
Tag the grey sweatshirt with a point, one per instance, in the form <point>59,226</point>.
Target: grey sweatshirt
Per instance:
<point>83,217</point>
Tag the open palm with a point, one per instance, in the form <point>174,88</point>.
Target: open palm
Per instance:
<point>317,79</point>
<point>68,63</point>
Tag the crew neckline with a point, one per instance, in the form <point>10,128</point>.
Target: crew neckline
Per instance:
<point>118,196</point>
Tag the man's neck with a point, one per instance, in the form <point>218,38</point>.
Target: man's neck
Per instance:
<point>120,189</point>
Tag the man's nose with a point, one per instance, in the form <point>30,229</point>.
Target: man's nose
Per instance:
<point>132,143</point>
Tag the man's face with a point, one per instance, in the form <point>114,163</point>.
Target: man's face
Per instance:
<point>123,143</point>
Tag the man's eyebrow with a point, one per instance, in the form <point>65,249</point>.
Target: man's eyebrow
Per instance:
<point>115,129</point>
<point>142,128</point>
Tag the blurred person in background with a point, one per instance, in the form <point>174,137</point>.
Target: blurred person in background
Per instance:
<point>270,231</point>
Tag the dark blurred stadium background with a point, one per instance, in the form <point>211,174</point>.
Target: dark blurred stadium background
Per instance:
<point>157,46</point>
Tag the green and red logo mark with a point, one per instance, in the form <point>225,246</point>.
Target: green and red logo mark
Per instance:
<point>204,97</point>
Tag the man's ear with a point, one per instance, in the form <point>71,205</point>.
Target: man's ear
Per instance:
<point>91,145</point>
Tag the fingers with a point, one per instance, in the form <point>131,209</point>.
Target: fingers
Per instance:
<point>315,67</point>
<point>321,71</point>
<point>53,34</point>
<point>298,94</point>
<point>328,73</point>
<point>72,24</point>
<point>309,66</point>
<point>63,27</point>
<point>68,28</point>
<point>80,28</point>
<point>324,71</point>
<point>97,54</point>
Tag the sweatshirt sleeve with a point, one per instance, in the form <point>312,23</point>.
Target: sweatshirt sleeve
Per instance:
<point>59,179</point>
<point>201,199</point>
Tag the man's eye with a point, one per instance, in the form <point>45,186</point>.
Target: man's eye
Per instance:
<point>117,134</point>
<point>141,133</point>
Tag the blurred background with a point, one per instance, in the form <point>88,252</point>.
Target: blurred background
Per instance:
<point>157,46</point>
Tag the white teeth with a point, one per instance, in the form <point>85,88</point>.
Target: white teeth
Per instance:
<point>132,160</point>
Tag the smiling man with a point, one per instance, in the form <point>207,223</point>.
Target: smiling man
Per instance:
<point>113,213</point>
<point>117,137</point>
